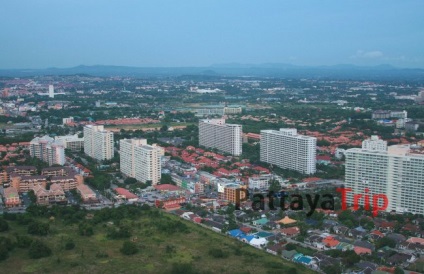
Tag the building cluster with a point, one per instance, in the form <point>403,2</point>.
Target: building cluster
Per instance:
<point>49,187</point>
<point>48,150</point>
<point>220,110</point>
<point>98,142</point>
<point>396,171</point>
<point>140,160</point>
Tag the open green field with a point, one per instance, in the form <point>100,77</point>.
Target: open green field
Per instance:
<point>166,243</point>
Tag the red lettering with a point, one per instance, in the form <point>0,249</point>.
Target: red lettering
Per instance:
<point>343,191</point>
<point>375,206</point>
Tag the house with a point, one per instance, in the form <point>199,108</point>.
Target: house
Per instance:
<point>325,260</point>
<point>362,250</point>
<point>260,222</point>
<point>275,249</point>
<point>416,240</point>
<point>357,233</point>
<point>289,254</point>
<point>214,225</point>
<point>286,221</point>
<point>340,230</point>
<point>364,244</point>
<point>344,246</point>
<point>246,230</point>
<point>376,235</point>
<point>258,242</point>
<point>330,242</point>
<point>365,267</point>
<point>385,226</point>
<point>412,247</point>
<point>290,231</point>
<point>398,238</point>
<point>300,258</point>
<point>11,197</point>
<point>400,258</point>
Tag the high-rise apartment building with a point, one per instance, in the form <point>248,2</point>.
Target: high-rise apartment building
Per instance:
<point>71,142</point>
<point>48,150</point>
<point>127,155</point>
<point>395,171</point>
<point>215,133</point>
<point>140,160</point>
<point>289,150</point>
<point>98,142</point>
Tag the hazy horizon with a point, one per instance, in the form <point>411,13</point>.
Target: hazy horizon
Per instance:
<point>46,33</point>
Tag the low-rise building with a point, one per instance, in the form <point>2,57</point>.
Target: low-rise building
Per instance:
<point>86,193</point>
<point>55,195</point>
<point>11,197</point>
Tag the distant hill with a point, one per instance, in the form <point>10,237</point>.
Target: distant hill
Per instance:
<point>343,71</point>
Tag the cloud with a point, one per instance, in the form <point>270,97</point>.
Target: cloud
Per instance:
<point>374,54</point>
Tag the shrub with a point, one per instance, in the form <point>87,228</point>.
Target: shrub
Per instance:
<point>38,250</point>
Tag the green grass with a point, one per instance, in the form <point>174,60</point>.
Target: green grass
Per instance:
<point>191,247</point>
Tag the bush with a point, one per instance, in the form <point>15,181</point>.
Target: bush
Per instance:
<point>38,228</point>
<point>217,253</point>
<point>69,245</point>
<point>85,229</point>
<point>4,253</point>
<point>129,248</point>
<point>38,250</point>
<point>23,241</point>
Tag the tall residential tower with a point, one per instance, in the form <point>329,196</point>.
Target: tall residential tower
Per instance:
<point>140,160</point>
<point>98,143</point>
<point>215,133</point>
<point>396,171</point>
<point>289,150</point>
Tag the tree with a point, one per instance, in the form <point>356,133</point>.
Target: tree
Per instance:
<point>129,248</point>
<point>274,186</point>
<point>164,128</point>
<point>399,270</point>
<point>4,226</point>
<point>38,228</point>
<point>85,229</point>
<point>166,179</point>
<point>69,245</point>
<point>4,253</point>
<point>385,242</point>
<point>130,181</point>
<point>332,269</point>
<point>23,241</point>
<point>38,250</point>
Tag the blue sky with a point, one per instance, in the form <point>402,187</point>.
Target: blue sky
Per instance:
<point>66,33</point>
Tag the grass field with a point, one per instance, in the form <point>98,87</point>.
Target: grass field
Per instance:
<point>160,250</point>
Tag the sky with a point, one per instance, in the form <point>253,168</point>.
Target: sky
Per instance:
<point>181,33</point>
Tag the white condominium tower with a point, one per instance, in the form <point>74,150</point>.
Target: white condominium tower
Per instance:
<point>396,171</point>
<point>288,150</point>
<point>140,160</point>
<point>215,133</point>
<point>98,143</point>
<point>48,150</point>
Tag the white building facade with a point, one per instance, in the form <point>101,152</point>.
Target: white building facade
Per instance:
<point>71,142</point>
<point>289,150</point>
<point>140,160</point>
<point>395,171</point>
<point>48,150</point>
<point>215,133</point>
<point>98,142</point>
